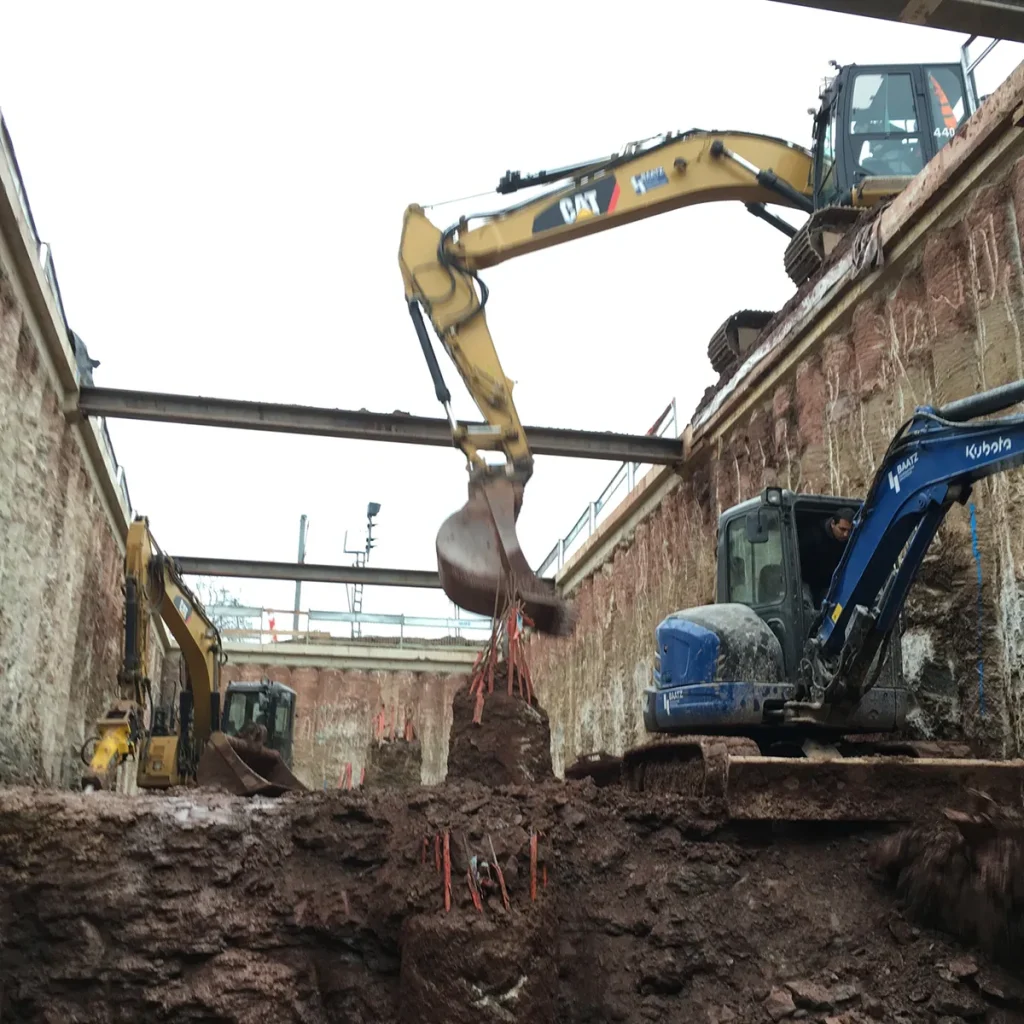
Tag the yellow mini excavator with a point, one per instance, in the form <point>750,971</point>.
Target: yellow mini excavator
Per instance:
<point>875,129</point>
<point>244,748</point>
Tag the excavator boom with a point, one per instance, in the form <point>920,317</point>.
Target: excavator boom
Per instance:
<point>478,553</point>
<point>933,461</point>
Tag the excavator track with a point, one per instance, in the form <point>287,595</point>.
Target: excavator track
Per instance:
<point>815,239</point>
<point>856,779</point>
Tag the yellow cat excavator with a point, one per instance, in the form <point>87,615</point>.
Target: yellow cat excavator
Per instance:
<point>244,748</point>
<point>875,129</point>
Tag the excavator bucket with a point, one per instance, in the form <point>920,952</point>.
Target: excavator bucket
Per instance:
<point>244,768</point>
<point>481,564</point>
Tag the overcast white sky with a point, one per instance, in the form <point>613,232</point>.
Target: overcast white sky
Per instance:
<point>223,186</point>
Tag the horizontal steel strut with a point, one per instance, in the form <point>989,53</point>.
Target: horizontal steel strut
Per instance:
<point>369,575</point>
<point>402,428</point>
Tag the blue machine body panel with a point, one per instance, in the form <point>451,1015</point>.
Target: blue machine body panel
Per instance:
<point>687,693</point>
<point>710,706</point>
<point>686,696</point>
<point>687,653</point>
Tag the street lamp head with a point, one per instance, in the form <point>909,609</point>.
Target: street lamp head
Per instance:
<point>372,509</point>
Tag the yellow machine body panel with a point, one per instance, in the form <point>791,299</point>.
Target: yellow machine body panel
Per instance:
<point>158,765</point>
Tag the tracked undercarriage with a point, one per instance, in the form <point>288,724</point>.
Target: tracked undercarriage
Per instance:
<point>851,778</point>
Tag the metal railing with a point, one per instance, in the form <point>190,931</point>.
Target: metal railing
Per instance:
<point>666,423</point>
<point>45,259</point>
<point>268,631</point>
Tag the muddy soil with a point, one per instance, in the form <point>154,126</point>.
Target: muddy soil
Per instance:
<point>964,873</point>
<point>329,907</point>
<point>510,746</point>
<point>395,763</point>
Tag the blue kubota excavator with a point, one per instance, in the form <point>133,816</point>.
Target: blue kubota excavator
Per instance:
<point>769,702</point>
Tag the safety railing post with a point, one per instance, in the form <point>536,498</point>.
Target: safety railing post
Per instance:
<point>668,420</point>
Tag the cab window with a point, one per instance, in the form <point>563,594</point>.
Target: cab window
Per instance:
<point>828,154</point>
<point>884,123</point>
<point>242,709</point>
<point>756,572</point>
<point>282,714</point>
<point>946,97</point>
<point>882,103</point>
<point>236,714</point>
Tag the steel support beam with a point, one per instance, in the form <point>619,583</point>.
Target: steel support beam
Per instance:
<point>308,573</point>
<point>361,425</point>
<point>436,659</point>
<point>998,19</point>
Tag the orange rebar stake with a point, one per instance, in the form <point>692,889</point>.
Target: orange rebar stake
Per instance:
<point>437,852</point>
<point>473,890</point>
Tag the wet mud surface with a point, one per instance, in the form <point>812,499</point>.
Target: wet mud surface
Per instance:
<point>330,907</point>
<point>964,874</point>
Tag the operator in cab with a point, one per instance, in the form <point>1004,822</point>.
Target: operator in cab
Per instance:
<point>821,548</point>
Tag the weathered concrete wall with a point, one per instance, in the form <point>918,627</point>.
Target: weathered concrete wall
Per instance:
<point>941,321</point>
<point>60,567</point>
<point>336,709</point>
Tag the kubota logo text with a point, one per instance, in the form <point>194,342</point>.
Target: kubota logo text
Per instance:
<point>986,449</point>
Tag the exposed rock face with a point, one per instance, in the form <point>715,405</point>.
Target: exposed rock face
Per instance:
<point>60,568</point>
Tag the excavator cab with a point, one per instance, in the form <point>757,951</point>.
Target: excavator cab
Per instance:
<point>759,568</point>
<point>251,752</point>
<point>878,125</point>
<point>248,707</point>
<point>761,548</point>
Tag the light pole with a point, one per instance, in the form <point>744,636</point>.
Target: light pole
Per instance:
<point>355,593</point>
<point>303,529</point>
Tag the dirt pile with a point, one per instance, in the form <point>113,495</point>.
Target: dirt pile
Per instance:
<point>394,763</point>
<point>964,874</point>
<point>330,907</point>
<point>510,746</point>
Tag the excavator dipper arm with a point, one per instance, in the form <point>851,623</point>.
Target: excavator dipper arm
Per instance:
<point>153,585</point>
<point>477,550</point>
<point>933,461</point>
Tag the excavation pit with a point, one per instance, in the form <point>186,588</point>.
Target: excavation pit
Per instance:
<point>322,907</point>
